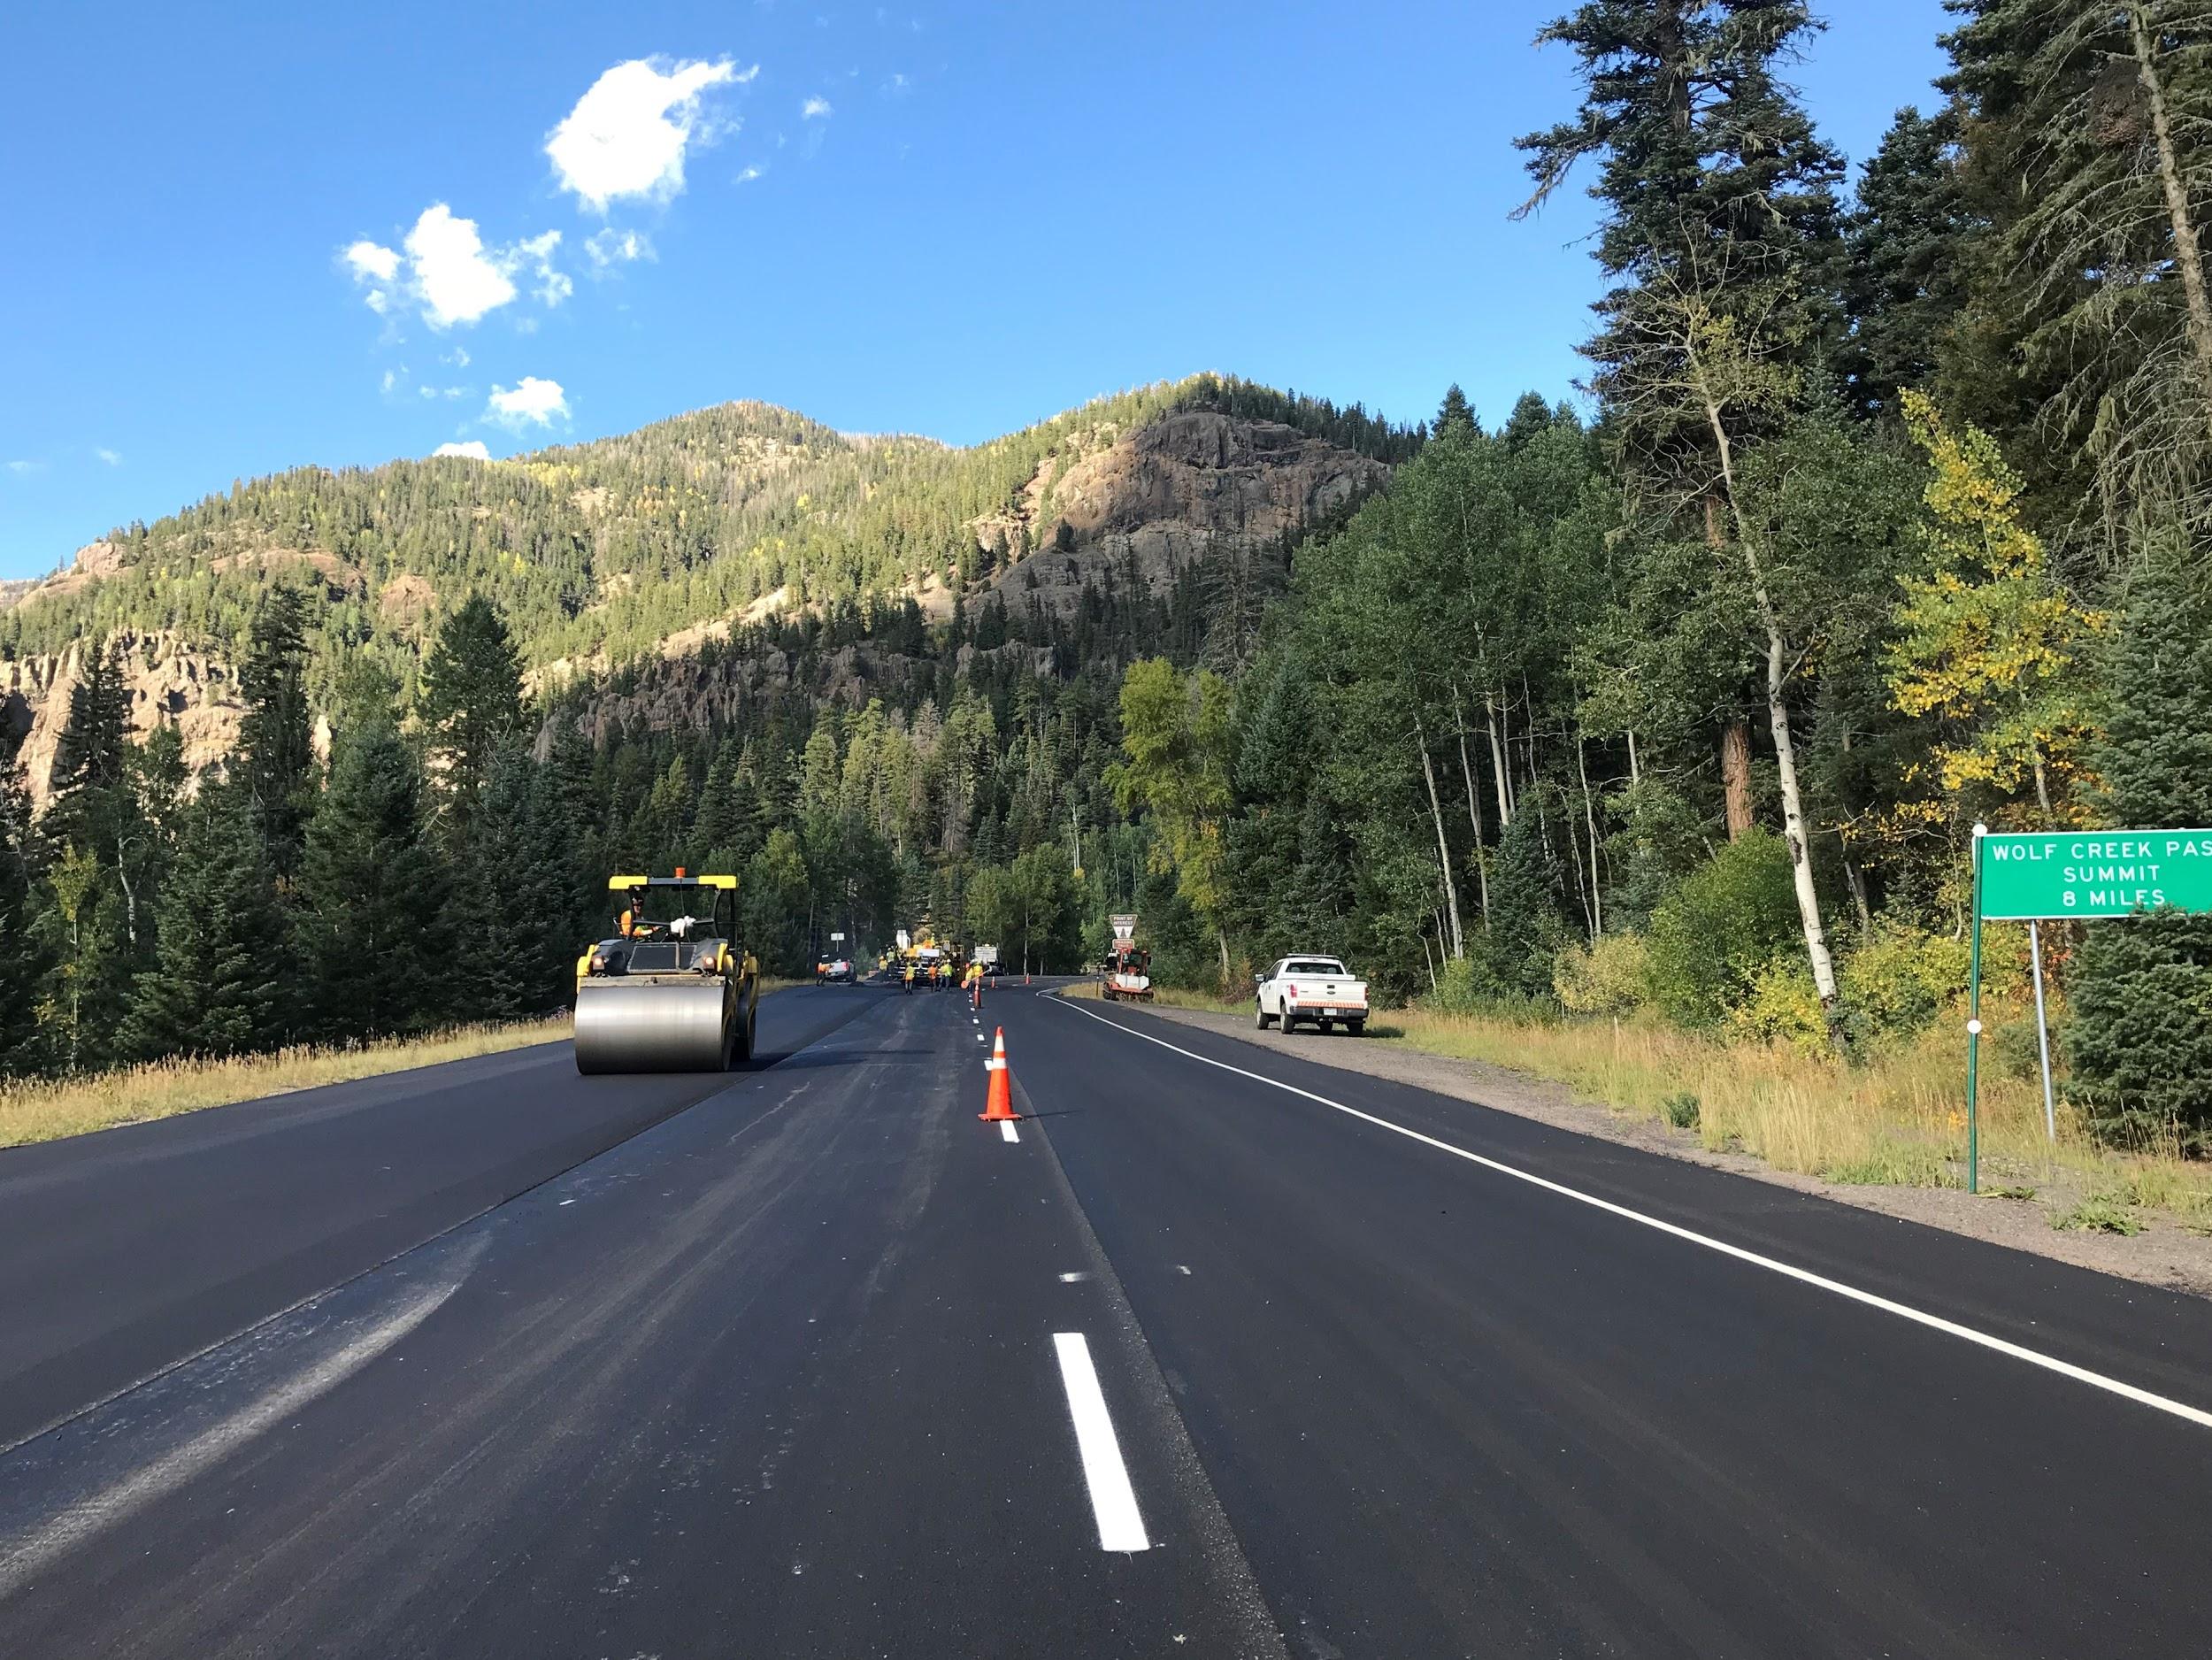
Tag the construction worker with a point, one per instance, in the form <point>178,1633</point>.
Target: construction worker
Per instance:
<point>974,978</point>
<point>632,921</point>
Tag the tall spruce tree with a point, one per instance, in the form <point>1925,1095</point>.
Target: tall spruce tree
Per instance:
<point>276,757</point>
<point>23,950</point>
<point>1909,239</point>
<point>1722,222</point>
<point>222,972</point>
<point>472,703</point>
<point>2140,1042</point>
<point>374,890</point>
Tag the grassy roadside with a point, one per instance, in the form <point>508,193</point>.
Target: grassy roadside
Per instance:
<point>1894,1117</point>
<point>46,1109</point>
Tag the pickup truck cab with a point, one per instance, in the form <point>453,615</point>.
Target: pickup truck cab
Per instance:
<point>1318,990</point>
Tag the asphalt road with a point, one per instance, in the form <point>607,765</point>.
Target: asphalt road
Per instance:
<point>493,1360</point>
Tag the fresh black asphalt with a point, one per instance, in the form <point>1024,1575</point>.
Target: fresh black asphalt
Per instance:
<point>763,1365</point>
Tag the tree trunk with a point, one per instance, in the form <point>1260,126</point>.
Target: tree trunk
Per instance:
<point>1474,812</point>
<point>1497,766</point>
<point>1784,746</point>
<point>1590,819</point>
<point>1221,937</point>
<point>1856,880</point>
<point>1635,773</point>
<point>1443,847</point>
<point>2187,256</point>
<point>1735,776</point>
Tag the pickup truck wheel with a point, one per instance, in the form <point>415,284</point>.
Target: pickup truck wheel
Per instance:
<point>1259,1017</point>
<point>1356,1028</point>
<point>1289,1022</point>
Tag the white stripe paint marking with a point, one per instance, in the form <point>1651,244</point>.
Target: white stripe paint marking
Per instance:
<point>1788,1271</point>
<point>1113,1502</point>
<point>1006,1129</point>
<point>23,1557</point>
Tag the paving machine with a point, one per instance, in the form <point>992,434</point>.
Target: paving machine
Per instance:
<point>1128,966</point>
<point>675,989</point>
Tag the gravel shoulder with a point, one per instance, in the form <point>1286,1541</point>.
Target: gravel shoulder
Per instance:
<point>2162,1254</point>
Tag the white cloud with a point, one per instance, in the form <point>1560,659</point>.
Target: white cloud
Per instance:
<point>532,401</point>
<point>814,107</point>
<point>474,450</point>
<point>459,357</point>
<point>373,261</point>
<point>390,380</point>
<point>751,172</point>
<point>553,285</point>
<point>453,278</point>
<point>627,133</point>
<point>612,247</point>
<point>23,469</point>
<point>108,457</point>
<point>373,266</point>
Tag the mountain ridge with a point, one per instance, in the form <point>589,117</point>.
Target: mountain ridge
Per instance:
<point>700,528</point>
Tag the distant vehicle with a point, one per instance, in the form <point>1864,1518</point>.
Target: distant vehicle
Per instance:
<point>1126,973</point>
<point>1318,990</point>
<point>838,971</point>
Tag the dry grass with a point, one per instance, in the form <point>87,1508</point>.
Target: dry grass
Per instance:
<point>1170,997</point>
<point>1898,1116</point>
<point>41,1109</point>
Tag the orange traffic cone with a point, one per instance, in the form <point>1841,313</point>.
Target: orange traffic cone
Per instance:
<point>999,1105</point>
<point>977,990</point>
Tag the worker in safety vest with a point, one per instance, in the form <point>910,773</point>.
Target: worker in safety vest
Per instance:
<point>632,921</point>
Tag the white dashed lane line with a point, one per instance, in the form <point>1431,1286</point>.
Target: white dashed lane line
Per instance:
<point>1113,1501</point>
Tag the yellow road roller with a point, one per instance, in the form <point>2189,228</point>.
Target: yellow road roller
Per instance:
<point>674,990</point>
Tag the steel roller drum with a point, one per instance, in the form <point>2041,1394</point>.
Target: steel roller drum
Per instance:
<point>651,1025</point>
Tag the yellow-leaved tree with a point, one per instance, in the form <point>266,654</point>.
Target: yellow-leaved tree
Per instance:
<point>1989,647</point>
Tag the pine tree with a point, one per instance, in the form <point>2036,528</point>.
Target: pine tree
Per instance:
<point>276,757</point>
<point>472,703</point>
<point>1455,412</point>
<point>24,959</point>
<point>1909,239</point>
<point>372,933</point>
<point>2140,1042</point>
<point>218,985</point>
<point>1722,221</point>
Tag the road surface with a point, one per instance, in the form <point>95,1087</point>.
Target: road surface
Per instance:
<point>1221,1351</point>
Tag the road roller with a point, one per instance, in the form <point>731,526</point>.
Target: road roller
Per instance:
<point>674,990</point>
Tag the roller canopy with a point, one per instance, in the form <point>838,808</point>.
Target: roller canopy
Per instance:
<point>623,884</point>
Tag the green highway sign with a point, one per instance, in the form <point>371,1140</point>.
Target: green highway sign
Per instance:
<point>2093,873</point>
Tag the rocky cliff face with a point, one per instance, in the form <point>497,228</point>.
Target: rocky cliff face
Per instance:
<point>1170,493</point>
<point>168,683</point>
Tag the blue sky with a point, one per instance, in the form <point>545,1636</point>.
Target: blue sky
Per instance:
<point>945,219</point>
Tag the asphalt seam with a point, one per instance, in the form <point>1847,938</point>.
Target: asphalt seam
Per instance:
<point>1804,1275</point>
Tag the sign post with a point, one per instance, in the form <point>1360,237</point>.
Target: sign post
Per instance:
<point>1974,1025</point>
<point>2042,1031</point>
<point>2069,875</point>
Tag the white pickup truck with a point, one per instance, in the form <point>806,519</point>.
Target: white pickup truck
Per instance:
<point>1319,990</point>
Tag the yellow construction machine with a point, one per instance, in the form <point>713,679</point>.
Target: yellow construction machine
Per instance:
<point>674,990</point>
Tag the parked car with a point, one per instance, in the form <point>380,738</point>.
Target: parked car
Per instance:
<point>836,972</point>
<point>1319,991</point>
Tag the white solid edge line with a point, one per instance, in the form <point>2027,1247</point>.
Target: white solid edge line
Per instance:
<point>1903,1311</point>
<point>1006,1130</point>
<point>1113,1502</point>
